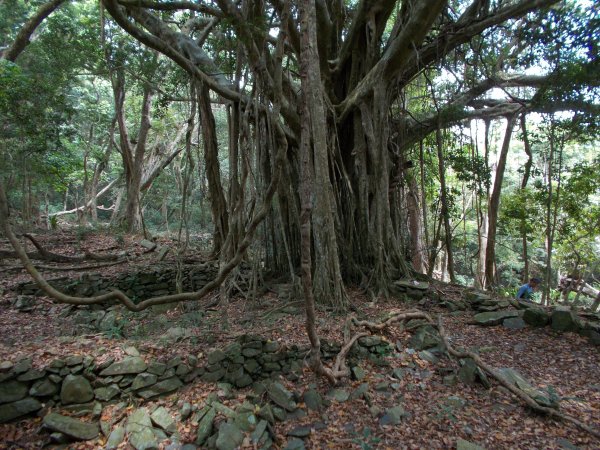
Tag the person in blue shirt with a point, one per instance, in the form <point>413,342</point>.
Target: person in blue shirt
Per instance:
<point>526,291</point>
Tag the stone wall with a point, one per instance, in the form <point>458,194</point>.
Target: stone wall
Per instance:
<point>81,385</point>
<point>155,280</point>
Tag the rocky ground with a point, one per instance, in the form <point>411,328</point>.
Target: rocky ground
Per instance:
<point>403,393</point>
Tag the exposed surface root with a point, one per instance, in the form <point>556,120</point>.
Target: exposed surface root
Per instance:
<point>340,370</point>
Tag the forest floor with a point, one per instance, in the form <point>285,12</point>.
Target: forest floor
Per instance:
<point>492,418</point>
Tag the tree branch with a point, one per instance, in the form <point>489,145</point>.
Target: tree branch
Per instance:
<point>104,190</point>
<point>22,39</point>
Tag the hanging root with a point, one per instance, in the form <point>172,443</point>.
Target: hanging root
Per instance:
<point>340,370</point>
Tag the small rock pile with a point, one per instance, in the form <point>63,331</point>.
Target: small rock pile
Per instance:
<point>475,301</point>
<point>410,288</point>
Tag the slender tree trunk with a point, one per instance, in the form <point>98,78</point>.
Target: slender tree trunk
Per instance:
<point>417,247</point>
<point>524,182</point>
<point>445,212</point>
<point>426,242</point>
<point>482,221</point>
<point>118,200</point>
<point>552,212</point>
<point>494,205</point>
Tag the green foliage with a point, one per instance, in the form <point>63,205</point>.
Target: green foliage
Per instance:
<point>116,331</point>
<point>470,168</point>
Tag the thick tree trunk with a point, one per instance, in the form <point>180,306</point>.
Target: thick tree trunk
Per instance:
<point>217,199</point>
<point>327,283</point>
<point>494,205</point>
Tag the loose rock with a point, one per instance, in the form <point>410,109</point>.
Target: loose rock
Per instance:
<point>73,428</point>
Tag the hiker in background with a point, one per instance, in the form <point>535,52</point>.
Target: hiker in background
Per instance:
<point>526,291</point>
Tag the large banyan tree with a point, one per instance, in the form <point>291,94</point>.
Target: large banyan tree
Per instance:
<point>327,101</point>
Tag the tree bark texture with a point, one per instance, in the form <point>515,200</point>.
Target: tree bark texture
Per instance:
<point>494,205</point>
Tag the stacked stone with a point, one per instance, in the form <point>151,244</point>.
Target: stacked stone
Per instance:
<point>480,302</point>
<point>475,301</point>
<point>80,386</point>
<point>560,318</point>
<point>251,358</point>
<point>151,282</point>
<point>410,288</point>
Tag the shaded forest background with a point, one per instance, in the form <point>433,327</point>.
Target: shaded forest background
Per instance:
<point>458,140</point>
<point>299,168</point>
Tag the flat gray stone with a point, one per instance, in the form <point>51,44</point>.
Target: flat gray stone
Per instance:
<point>281,396</point>
<point>157,368</point>
<point>259,431</point>
<point>143,380</point>
<point>73,428</point>
<point>131,351</point>
<point>162,387</point>
<point>461,444</point>
<point>313,400</point>
<point>104,394</point>
<point>425,337</point>
<point>412,284</point>
<point>74,360</point>
<point>11,391</point>
<point>369,341</point>
<point>216,356</point>
<point>144,439</point>
<point>515,378</point>
<point>43,388</point>
<point>162,418</point>
<point>115,438</point>
<point>205,426</point>
<point>468,371</point>
<point>300,431</point>
<point>22,366</point>
<point>130,365</point>
<point>393,416</point>
<point>360,391</point>
<point>563,319</point>
<point>493,317</point>
<point>138,420</point>
<point>76,389</point>
<point>514,323</point>
<point>31,375</point>
<point>358,373</point>
<point>14,410</point>
<point>294,444</point>
<point>536,317</point>
<point>245,421</point>
<point>230,437</point>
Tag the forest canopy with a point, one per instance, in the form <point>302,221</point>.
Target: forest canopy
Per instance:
<point>353,142</point>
